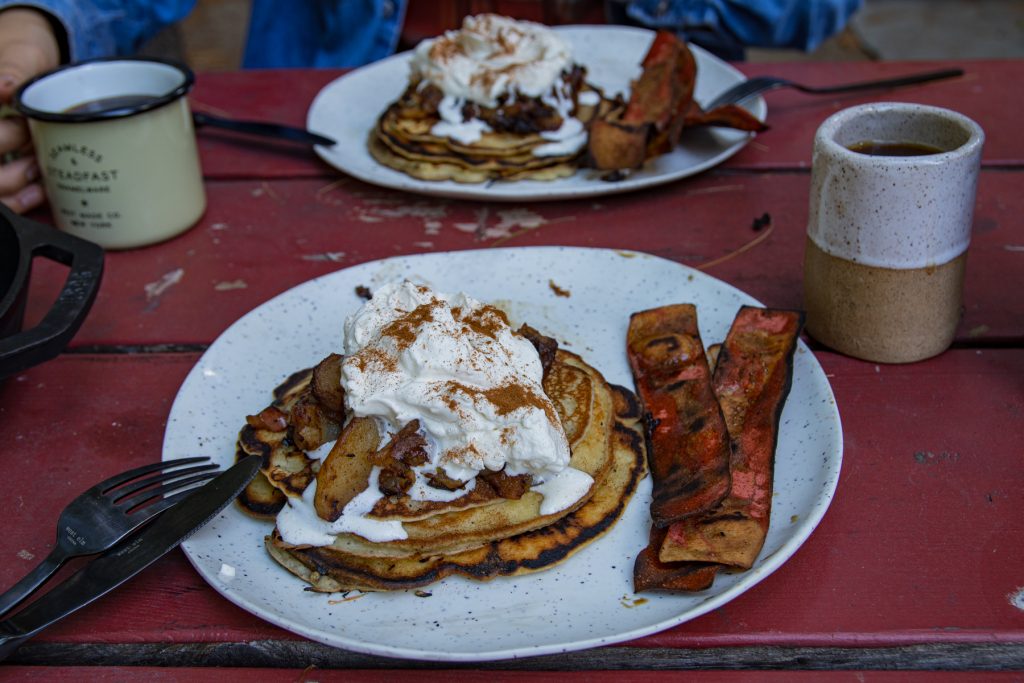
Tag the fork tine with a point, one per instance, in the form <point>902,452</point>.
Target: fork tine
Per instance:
<point>105,486</point>
<point>759,84</point>
<point>737,93</point>
<point>131,488</point>
<point>157,508</point>
<point>144,497</point>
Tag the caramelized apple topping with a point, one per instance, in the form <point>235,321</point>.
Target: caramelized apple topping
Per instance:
<point>271,419</point>
<point>326,383</point>
<point>441,480</point>
<point>312,423</point>
<point>507,485</point>
<point>407,449</point>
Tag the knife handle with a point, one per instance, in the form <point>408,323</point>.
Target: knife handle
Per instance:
<point>270,130</point>
<point>9,644</point>
<point>65,598</point>
<point>88,584</point>
<point>33,580</point>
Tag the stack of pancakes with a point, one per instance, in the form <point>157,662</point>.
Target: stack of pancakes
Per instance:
<point>403,137</point>
<point>480,534</point>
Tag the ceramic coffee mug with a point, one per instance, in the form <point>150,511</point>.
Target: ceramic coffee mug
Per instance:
<point>891,206</point>
<point>117,150</point>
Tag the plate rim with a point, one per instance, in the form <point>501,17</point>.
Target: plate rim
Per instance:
<point>821,504</point>
<point>382,176</point>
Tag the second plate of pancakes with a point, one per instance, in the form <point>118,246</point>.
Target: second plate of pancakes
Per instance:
<point>347,110</point>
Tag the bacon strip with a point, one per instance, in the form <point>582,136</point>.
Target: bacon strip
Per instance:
<point>649,573</point>
<point>727,116</point>
<point>688,444</point>
<point>660,107</point>
<point>665,85</point>
<point>751,380</point>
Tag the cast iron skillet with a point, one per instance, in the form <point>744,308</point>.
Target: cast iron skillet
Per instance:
<point>21,240</point>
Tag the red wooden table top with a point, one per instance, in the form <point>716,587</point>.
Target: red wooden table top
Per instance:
<point>917,562</point>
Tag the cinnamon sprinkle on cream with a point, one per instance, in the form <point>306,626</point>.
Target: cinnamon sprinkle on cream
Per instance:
<point>506,399</point>
<point>455,365</point>
<point>404,329</point>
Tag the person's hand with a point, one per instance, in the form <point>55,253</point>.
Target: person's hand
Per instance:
<point>28,47</point>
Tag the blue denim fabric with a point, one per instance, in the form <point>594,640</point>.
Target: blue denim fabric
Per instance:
<point>727,26</point>
<point>322,33</point>
<point>300,33</point>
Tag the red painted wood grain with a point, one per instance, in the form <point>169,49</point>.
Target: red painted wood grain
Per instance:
<point>259,238</point>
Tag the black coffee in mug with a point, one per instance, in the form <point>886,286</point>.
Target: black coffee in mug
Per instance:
<point>893,149</point>
<point>109,104</point>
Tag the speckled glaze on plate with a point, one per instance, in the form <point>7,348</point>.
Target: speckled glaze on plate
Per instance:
<point>347,109</point>
<point>588,600</point>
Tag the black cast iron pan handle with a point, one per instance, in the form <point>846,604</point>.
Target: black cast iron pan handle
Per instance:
<point>48,338</point>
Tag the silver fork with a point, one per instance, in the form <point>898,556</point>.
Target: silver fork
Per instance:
<point>759,84</point>
<point>103,515</point>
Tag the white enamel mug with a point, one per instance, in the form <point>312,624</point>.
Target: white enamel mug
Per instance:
<point>117,150</point>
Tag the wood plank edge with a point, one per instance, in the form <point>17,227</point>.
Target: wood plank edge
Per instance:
<point>300,654</point>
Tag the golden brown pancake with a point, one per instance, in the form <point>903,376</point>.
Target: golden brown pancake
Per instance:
<point>451,529</point>
<point>461,173</point>
<point>402,140</point>
<point>288,470</point>
<point>329,570</point>
<point>481,535</point>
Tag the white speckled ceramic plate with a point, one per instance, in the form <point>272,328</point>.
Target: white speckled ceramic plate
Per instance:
<point>588,600</point>
<point>347,109</point>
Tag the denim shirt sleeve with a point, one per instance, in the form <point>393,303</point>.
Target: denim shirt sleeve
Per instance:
<point>102,28</point>
<point>324,33</point>
<point>802,24</point>
<point>309,33</point>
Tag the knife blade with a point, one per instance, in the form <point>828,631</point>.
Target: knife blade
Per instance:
<point>113,568</point>
<point>270,130</point>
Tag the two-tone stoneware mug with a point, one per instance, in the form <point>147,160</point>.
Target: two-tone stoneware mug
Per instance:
<point>891,206</point>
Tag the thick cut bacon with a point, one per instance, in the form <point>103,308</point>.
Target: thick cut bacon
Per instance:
<point>652,120</point>
<point>665,85</point>
<point>726,116</point>
<point>650,573</point>
<point>688,444</point>
<point>751,380</point>
<point>660,106</point>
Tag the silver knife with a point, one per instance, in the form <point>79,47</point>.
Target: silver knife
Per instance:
<point>110,570</point>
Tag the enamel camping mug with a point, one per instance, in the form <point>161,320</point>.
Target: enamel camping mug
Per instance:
<point>116,147</point>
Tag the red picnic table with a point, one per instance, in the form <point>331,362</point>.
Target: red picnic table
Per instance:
<point>917,564</point>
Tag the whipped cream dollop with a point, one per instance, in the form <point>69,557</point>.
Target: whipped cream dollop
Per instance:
<point>490,56</point>
<point>455,365</point>
<point>299,524</point>
<point>493,56</point>
<point>475,386</point>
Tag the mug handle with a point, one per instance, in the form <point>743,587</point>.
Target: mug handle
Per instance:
<point>48,338</point>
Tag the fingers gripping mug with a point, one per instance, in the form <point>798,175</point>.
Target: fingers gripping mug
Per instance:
<point>891,206</point>
<point>116,147</point>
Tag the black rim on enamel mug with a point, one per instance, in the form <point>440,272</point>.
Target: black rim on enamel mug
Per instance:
<point>116,148</point>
